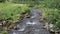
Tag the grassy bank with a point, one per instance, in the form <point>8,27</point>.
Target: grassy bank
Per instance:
<point>51,16</point>
<point>12,13</point>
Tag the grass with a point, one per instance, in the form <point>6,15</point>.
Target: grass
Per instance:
<point>51,16</point>
<point>11,13</point>
<point>11,10</point>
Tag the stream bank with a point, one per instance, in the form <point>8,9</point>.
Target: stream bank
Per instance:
<point>31,25</point>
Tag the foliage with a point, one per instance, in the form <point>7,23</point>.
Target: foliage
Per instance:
<point>50,3</point>
<point>23,1</point>
<point>11,13</point>
<point>52,12</point>
<point>52,16</point>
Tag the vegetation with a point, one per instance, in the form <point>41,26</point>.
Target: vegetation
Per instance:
<point>12,11</point>
<point>52,16</point>
<point>4,32</point>
<point>52,12</point>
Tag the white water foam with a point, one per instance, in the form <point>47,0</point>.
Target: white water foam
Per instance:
<point>31,23</point>
<point>21,29</point>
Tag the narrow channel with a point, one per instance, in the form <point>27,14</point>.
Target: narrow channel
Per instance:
<point>31,25</point>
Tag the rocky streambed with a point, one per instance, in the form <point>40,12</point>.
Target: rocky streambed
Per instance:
<point>31,25</point>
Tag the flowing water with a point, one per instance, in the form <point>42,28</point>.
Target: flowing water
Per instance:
<point>31,25</point>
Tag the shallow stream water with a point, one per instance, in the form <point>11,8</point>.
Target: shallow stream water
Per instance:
<point>31,25</point>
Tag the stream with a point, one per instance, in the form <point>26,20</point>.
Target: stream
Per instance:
<point>31,25</point>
